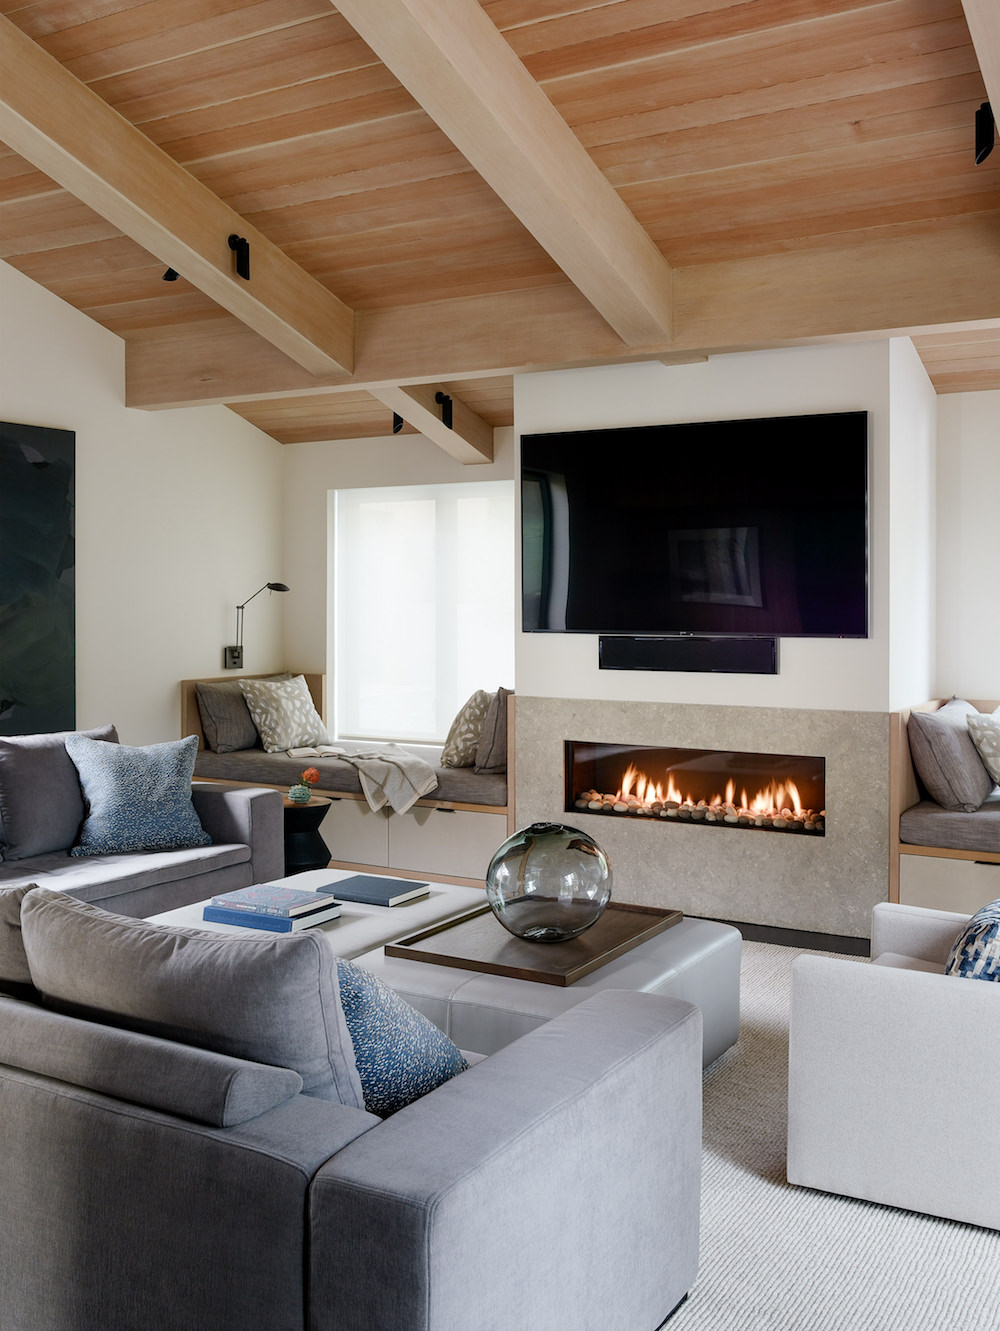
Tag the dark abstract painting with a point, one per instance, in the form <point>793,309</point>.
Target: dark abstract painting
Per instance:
<point>37,580</point>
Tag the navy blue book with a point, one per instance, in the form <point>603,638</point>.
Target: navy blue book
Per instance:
<point>275,924</point>
<point>371,891</point>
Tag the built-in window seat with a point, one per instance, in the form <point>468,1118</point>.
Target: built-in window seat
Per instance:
<point>945,859</point>
<point>451,833</point>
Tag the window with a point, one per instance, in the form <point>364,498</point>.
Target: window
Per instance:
<point>423,605</point>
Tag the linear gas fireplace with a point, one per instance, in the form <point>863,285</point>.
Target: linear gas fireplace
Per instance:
<point>772,792</point>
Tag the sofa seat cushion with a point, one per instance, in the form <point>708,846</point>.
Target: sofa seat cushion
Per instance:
<point>271,999</point>
<point>927,824</point>
<point>41,804</point>
<point>103,876</point>
<point>461,785</point>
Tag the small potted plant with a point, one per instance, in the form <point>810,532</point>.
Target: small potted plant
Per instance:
<point>301,792</point>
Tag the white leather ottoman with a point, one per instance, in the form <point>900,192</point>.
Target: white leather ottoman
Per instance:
<point>697,959</point>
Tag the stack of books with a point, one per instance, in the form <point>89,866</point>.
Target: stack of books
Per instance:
<point>265,906</point>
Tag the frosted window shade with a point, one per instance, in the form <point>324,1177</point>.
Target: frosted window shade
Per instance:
<point>424,607</point>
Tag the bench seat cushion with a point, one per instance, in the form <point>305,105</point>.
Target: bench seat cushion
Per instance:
<point>462,785</point>
<point>927,824</point>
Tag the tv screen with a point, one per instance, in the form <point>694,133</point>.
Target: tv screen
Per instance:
<point>722,527</point>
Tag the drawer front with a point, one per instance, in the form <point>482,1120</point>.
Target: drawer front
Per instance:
<point>458,843</point>
<point>356,834</point>
<point>943,884</point>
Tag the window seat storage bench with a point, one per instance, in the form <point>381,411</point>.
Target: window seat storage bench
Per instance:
<point>451,834</point>
<point>940,859</point>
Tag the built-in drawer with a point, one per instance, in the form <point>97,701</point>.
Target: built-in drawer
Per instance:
<point>940,883</point>
<point>459,843</point>
<point>356,833</point>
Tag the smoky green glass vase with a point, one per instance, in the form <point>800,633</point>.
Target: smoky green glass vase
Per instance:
<point>548,883</point>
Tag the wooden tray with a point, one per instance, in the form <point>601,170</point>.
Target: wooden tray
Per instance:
<point>479,942</point>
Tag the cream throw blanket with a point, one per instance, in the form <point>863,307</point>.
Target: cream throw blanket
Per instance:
<point>390,775</point>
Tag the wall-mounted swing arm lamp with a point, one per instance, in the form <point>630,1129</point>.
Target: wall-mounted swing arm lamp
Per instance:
<point>232,657</point>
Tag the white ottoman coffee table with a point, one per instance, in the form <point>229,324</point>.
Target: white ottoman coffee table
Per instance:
<point>698,960</point>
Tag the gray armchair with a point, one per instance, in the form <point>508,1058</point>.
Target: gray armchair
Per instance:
<point>893,1080</point>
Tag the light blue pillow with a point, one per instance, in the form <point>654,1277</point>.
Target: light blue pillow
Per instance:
<point>400,1055</point>
<point>136,799</point>
<point>975,954</point>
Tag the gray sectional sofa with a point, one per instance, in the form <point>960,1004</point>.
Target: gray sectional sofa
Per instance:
<point>150,1176</point>
<point>42,809</point>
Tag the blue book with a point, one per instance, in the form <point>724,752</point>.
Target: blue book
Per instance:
<point>276,924</point>
<point>372,891</point>
<point>270,899</point>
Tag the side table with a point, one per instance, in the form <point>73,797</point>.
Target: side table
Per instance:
<point>304,847</point>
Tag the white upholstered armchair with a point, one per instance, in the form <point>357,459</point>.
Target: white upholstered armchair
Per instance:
<point>894,1073</point>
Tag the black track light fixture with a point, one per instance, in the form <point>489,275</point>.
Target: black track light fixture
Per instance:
<point>985,131</point>
<point>241,248</point>
<point>170,275</point>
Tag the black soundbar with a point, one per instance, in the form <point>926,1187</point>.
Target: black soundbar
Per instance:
<point>731,656</point>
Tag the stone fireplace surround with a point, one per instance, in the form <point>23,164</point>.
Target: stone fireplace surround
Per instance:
<point>825,884</point>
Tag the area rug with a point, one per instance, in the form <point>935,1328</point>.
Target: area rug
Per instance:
<point>778,1257</point>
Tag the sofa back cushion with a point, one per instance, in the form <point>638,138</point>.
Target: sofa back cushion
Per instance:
<point>41,804</point>
<point>14,973</point>
<point>197,1084</point>
<point>271,999</point>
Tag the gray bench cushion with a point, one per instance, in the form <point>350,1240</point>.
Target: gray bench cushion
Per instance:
<point>462,785</point>
<point>927,824</point>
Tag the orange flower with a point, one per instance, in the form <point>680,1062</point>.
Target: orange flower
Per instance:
<point>310,775</point>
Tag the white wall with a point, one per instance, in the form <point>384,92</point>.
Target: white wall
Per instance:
<point>912,527</point>
<point>177,518</point>
<point>839,675</point>
<point>968,565</point>
<point>311,473</point>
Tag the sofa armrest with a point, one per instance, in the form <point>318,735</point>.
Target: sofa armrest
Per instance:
<point>554,1184</point>
<point>892,1085</point>
<point>244,815</point>
<point>914,931</point>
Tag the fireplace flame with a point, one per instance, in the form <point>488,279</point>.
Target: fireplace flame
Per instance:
<point>775,800</point>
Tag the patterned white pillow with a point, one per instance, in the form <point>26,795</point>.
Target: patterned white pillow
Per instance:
<point>283,713</point>
<point>463,737</point>
<point>985,732</point>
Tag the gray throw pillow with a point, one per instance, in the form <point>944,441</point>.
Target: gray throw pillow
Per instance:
<point>946,759</point>
<point>225,717</point>
<point>137,799</point>
<point>271,999</point>
<point>491,751</point>
<point>41,804</point>
<point>463,736</point>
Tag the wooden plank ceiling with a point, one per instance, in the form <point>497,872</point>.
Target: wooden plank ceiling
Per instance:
<point>804,170</point>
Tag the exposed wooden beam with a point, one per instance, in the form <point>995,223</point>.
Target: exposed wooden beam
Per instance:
<point>468,79</point>
<point>857,290</point>
<point>64,129</point>
<point>468,439</point>
<point>983,18</point>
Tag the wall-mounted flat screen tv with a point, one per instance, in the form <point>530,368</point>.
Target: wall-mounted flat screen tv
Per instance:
<point>740,527</point>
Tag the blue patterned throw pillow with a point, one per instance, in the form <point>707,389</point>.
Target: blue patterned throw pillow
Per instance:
<point>400,1054</point>
<point>136,799</point>
<point>975,954</point>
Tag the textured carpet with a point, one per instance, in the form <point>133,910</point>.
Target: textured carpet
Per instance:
<point>774,1256</point>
